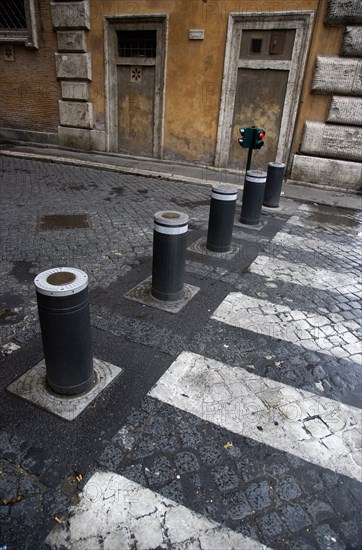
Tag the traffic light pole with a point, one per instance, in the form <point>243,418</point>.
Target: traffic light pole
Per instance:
<point>248,162</point>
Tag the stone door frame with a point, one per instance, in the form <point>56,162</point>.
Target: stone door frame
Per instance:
<point>302,22</point>
<point>111,25</point>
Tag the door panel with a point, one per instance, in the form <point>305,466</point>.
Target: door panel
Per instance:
<point>265,58</point>
<point>136,106</point>
<point>259,101</point>
<point>135,78</point>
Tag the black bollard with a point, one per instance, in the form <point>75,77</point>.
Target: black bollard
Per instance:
<point>253,195</point>
<point>221,219</point>
<point>274,182</point>
<point>63,306</point>
<point>169,255</point>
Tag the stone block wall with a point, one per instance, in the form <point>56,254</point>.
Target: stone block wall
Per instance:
<point>331,152</point>
<point>71,21</point>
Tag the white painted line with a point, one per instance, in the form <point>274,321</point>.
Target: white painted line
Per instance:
<point>170,230</point>
<point>309,242</point>
<point>314,428</point>
<point>311,331</point>
<point>223,196</point>
<point>123,514</point>
<point>299,273</point>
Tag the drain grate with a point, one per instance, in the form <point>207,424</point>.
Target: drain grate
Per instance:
<point>63,221</point>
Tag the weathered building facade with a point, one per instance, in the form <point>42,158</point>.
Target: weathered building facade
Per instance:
<point>175,79</point>
<point>330,140</point>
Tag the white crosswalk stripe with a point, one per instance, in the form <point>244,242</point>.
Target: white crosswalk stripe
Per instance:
<point>319,430</point>
<point>309,426</point>
<point>312,331</point>
<point>126,515</point>
<point>316,276</point>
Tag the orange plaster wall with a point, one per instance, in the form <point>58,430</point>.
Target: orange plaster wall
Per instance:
<point>193,84</point>
<point>194,68</point>
<point>30,91</point>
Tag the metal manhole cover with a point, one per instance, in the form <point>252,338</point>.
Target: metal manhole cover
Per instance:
<point>63,221</point>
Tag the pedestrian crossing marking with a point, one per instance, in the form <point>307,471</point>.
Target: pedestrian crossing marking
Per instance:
<point>311,331</point>
<point>125,514</point>
<point>302,274</point>
<point>299,422</point>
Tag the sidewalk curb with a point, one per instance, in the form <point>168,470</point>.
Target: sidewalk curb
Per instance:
<point>292,189</point>
<point>110,167</point>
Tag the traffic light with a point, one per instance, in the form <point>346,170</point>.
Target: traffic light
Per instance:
<point>258,142</point>
<point>242,139</point>
<point>246,137</point>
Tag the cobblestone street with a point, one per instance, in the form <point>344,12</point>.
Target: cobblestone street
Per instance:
<point>235,423</point>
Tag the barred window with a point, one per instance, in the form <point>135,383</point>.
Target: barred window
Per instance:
<point>18,22</point>
<point>12,14</point>
<point>137,43</point>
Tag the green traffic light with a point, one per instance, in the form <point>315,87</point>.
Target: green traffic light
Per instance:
<point>246,137</point>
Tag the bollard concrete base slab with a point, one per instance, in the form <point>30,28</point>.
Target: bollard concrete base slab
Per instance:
<point>257,227</point>
<point>272,208</point>
<point>286,207</point>
<point>142,294</point>
<point>199,247</point>
<point>32,387</point>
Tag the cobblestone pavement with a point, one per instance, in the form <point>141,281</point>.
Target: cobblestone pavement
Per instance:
<point>236,423</point>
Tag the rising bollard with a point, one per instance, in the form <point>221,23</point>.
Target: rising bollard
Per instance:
<point>169,255</point>
<point>253,195</point>
<point>221,219</point>
<point>274,182</point>
<point>63,306</point>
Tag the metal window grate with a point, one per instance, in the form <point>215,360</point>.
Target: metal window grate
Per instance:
<point>136,43</point>
<point>12,14</point>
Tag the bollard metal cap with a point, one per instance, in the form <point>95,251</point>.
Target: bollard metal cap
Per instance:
<point>276,164</point>
<point>256,173</point>
<point>61,281</point>
<point>224,189</point>
<point>171,218</point>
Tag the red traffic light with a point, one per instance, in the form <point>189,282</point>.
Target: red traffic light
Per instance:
<point>261,134</point>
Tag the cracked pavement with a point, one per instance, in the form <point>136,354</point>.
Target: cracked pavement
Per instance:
<point>235,423</point>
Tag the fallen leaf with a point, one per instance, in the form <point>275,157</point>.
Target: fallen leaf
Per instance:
<point>12,500</point>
